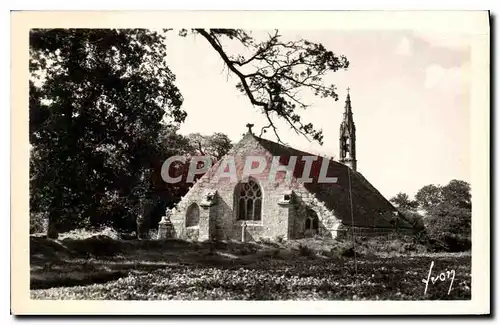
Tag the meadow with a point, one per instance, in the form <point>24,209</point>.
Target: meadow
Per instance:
<point>101,267</point>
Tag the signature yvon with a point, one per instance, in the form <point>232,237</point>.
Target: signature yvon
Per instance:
<point>443,276</point>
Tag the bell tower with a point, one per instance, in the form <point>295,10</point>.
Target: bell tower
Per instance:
<point>348,136</point>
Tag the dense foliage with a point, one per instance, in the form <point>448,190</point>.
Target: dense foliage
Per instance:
<point>444,216</point>
<point>97,98</point>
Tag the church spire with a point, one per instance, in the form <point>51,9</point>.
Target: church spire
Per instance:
<point>348,136</point>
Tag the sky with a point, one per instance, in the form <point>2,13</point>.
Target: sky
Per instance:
<point>410,96</point>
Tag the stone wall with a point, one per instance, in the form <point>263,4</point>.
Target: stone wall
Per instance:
<point>280,218</point>
<point>274,221</point>
<point>328,222</point>
<point>275,217</point>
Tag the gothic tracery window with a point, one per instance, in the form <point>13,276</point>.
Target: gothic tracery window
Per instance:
<point>249,201</point>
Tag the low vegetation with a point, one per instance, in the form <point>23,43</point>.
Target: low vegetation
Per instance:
<point>101,267</point>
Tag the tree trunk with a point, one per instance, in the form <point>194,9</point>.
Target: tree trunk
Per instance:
<point>52,228</point>
<point>143,221</point>
<point>140,227</point>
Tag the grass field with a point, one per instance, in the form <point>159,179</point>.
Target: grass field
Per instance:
<point>103,268</point>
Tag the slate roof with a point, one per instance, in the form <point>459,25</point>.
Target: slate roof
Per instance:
<point>370,207</point>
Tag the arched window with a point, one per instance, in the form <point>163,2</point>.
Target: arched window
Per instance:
<point>312,221</point>
<point>192,215</point>
<point>248,203</point>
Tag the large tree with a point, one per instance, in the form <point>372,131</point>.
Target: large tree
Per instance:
<point>449,226</point>
<point>428,196</point>
<point>214,146</point>
<point>403,202</point>
<point>448,214</point>
<point>457,193</point>
<point>95,115</point>
<point>98,98</point>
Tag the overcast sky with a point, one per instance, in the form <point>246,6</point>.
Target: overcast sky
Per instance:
<point>409,92</point>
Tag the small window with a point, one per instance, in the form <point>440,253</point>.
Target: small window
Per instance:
<point>193,215</point>
<point>312,221</point>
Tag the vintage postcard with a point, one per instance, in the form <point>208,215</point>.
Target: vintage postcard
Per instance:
<point>250,163</point>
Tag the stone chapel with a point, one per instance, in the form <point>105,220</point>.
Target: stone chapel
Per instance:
<point>284,207</point>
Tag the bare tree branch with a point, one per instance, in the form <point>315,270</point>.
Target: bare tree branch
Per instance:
<point>280,70</point>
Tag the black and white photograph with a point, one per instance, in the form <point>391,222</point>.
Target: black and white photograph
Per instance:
<point>315,157</point>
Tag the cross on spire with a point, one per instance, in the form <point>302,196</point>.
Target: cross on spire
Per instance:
<point>249,126</point>
<point>348,88</point>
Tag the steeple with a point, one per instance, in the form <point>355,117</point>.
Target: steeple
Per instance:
<point>348,136</point>
<point>348,109</point>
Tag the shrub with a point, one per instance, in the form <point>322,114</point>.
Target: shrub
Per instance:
<point>96,245</point>
<point>89,233</point>
<point>153,234</point>
<point>394,246</point>
<point>397,244</point>
<point>449,228</point>
<point>415,219</point>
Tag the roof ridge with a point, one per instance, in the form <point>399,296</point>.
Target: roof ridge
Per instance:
<point>292,148</point>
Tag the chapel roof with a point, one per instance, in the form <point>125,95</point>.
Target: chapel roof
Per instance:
<point>370,207</point>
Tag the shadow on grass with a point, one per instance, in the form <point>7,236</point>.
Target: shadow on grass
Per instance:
<point>99,259</point>
<point>94,260</point>
<point>74,279</point>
